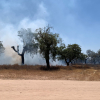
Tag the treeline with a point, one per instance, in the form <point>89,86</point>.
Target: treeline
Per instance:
<point>50,46</point>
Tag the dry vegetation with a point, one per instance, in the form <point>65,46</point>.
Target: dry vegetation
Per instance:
<point>37,72</point>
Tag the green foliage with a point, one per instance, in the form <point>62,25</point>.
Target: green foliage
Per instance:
<point>70,53</point>
<point>48,43</point>
<point>83,56</point>
<point>74,51</point>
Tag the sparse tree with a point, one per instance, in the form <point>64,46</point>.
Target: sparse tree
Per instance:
<point>29,43</point>
<point>48,43</point>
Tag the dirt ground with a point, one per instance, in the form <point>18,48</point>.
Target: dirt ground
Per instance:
<point>49,90</point>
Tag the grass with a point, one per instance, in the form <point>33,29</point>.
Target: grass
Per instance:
<point>38,72</point>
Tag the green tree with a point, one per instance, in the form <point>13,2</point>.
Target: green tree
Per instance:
<point>48,43</point>
<point>70,53</point>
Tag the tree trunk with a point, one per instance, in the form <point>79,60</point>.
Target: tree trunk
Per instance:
<point>47,62</point>
<point>67,62</point>
<point>94,62</point>
<point>47,59</point>
<point>76,61</point>
<point>85,61</point>
<point>22,57</point>
<point>70,61</point>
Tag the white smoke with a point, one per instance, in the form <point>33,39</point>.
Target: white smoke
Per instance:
<point>9,36</point>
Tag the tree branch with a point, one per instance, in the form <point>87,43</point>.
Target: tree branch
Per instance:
<point>16,50</point>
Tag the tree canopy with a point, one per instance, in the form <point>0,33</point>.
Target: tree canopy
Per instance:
<point>83,56</point>
<point>92,55</point>
<point>29,41</point>
<point>70,53</point>
<point>48,43</point>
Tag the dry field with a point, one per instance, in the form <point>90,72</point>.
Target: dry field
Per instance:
<point>58,83</point>
<point>37,72</point>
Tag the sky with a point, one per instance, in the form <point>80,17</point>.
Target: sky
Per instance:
<point>76,21</point>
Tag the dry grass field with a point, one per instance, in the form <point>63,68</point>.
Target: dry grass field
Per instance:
<point>37,72</point>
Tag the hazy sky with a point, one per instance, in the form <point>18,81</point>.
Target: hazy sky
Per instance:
<point>77,21</point>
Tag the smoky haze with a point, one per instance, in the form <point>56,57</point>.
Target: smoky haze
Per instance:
<point>11,39</point>
<point>9,36</point>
